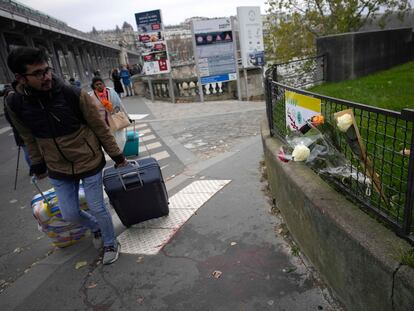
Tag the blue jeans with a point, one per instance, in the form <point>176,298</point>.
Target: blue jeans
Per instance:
<point>26,156</point>
<point>99,218</point>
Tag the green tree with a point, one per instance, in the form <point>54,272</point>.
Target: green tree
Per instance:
<point>293,25</point>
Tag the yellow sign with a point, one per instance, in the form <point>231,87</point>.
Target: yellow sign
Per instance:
<point>300,108</point>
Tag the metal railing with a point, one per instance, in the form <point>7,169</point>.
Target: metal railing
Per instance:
<point>186,90</point>
<point>388,137</point>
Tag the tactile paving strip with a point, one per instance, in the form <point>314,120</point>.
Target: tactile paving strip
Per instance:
<point>144,241</point>
<point>176,218</point>
<point>189,200</point>
<point>205,186</point>
<point>150,236</point>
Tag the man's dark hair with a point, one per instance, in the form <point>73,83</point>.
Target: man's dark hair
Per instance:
<point>20,57</point>
<point>96,79</point>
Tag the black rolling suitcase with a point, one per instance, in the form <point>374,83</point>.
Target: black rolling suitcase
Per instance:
<point>137,192</point>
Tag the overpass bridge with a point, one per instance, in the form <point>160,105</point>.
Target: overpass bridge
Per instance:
<point>72,53</point>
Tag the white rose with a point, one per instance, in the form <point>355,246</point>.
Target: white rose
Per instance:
<point>344,122</point>
<point>300,153</point>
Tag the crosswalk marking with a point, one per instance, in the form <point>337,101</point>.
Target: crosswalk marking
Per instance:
<point>146,131</point>
<point>137,116</point>
<point>137,127</point>
<point>150,236</point>
<point>160,155</point>
<point>5,129</point>
<point>153,145</point>
<point>140,125</point>
<point>148,137</point>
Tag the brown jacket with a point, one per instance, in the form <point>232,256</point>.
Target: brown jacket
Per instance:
<point>63,131</point>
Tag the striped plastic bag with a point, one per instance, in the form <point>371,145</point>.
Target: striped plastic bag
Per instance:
<point>49,218</point>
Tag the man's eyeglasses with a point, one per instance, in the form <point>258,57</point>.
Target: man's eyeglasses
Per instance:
<point>40,74</point>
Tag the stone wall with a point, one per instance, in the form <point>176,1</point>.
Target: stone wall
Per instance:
<point>352,55</point>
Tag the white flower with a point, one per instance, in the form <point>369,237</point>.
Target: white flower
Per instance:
<point>344,122</point>
<point>300,153</point>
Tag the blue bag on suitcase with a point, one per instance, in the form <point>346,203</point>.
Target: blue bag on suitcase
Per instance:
<point>132,143</point>
<point>137,192</point>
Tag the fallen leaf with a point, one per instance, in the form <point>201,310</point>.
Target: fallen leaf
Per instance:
<point>92,285</point>
<point>80,264</point>
<point>216,274</point>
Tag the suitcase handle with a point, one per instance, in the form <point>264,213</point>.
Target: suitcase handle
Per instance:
<point>127,175</point>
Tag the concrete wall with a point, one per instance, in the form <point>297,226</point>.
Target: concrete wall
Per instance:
<point>356,256</point>
<point>353,55</point>
<point>254,84</point>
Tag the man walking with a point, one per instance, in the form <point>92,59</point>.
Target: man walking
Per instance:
<point>63,132</point>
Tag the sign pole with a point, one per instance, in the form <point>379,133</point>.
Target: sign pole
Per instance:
<point>246,83</point>
<point>172,95</point>
<point>233,30</point>
<point>200,87</point>
<point>151,89</point>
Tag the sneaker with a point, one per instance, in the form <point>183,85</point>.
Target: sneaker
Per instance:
<point>97,239</point>
<point>111,253</point>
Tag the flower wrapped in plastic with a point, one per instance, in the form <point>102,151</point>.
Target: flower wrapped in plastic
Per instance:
<point>344,122</point>
<point>317,150</point>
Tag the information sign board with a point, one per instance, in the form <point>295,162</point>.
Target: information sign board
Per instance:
<point>153,44</point>
<point>251,36</point>
<point>214,50</point>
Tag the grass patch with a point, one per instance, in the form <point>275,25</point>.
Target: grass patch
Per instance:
<point>391,89</point>
<point>408,258</point>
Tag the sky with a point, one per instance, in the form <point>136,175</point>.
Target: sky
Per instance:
<point>106,14</point>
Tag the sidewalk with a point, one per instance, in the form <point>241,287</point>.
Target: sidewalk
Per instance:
<point>227,256</point>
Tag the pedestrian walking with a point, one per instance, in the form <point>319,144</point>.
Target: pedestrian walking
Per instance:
<point>63,131</point>
<point>74,82</point>
<point>126,80</point>
<point>108,103</point>
<point>116,79</point>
